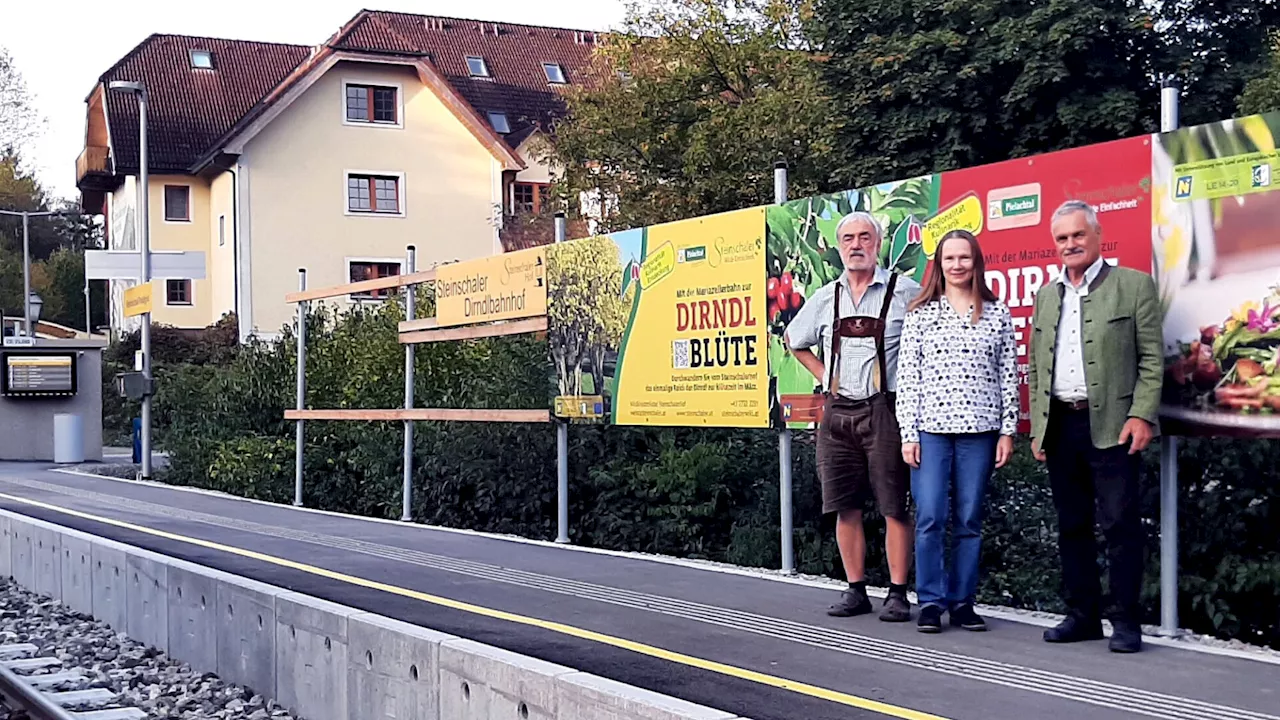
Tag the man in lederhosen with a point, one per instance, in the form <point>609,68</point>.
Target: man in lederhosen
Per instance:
<point>857,320</point>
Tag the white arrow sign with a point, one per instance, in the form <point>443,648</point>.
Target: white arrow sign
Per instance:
<point>127,264</point>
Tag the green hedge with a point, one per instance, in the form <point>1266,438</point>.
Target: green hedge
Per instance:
<point>694,493</point>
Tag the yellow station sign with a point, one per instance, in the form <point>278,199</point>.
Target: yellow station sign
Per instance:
<point>501,287</point>
<point>137,300</point>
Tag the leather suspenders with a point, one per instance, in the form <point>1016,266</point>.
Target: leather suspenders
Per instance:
<point>860,326</point>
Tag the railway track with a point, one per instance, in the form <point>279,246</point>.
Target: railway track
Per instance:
<point>42,689</point>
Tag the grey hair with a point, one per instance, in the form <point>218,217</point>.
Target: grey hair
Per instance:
<point>865,217</point>
<point>1078,206</point>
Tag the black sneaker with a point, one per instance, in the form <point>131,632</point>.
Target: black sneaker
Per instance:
<point>965,617</point>
<point>852,602</point>
<point>1074,629</point>
<point>1126,637</point>
<point>930,619</point>
<point>896,607</point>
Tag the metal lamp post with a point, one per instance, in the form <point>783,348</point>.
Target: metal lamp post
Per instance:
<point>35,304</point>
<point>26,260</point>
<point>144,242</point>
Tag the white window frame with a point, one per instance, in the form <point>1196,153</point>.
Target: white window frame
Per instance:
<point>348,261</point>
<point>222,230</point>
<point>484,65</point>
<point>191,293</point>
<point>342,104</point>
<point>564,79</point>
<point>400,190</point>
<point>164,204</point>
<point>191,59</point>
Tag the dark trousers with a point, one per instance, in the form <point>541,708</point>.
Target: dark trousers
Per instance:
<point>1088,481</point>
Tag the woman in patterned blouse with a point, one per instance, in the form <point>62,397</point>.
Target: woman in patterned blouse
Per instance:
<point>958,410</point>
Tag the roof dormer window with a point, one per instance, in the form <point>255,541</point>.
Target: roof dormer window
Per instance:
<point>477,67</point>
<point>202,59</point>
<point>499,122</point>
<point>555,73</point>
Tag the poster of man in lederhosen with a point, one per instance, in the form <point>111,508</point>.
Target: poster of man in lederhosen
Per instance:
<point>857,321</point>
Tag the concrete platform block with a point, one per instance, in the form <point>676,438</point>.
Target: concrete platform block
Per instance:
<point>478,682</point>
<point>109,586</point>
<point>23,554</point>
<point>77,574</point>
<point>247,634</point>
<point>311,656</point>
<point>393,669</point>
<point>147,620</point>
<point>48,563</point>
<point>6,547</point>
<point>589,696</point>
<point>193,619</point>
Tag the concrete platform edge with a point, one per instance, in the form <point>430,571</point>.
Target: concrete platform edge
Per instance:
<point>1184,640</point>
<point>322,660</point>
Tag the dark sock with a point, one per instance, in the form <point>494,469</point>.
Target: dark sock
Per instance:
<point>898,589</point>
<point>860,586</point>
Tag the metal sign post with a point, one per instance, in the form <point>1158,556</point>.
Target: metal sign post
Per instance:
<point>410,313</point>
<point>784,436</point>
<point>301,389</point>
<point>1169,91</point>
<point>562,445</point>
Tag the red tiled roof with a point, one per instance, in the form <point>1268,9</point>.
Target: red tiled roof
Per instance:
<point>188,109</point>
<point>191,109</point>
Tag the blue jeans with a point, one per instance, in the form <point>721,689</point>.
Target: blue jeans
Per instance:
<point>953,472</point>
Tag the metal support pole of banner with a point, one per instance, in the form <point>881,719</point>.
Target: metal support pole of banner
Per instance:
<point>784,436</point>
<point>301,389</point>
<point>562,445</point>
<point>1170,88</point>
<point>410,313</point>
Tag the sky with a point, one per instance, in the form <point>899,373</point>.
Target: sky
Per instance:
<point>61,47</point>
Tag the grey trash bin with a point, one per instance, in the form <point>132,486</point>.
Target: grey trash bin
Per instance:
<point>68,438</point>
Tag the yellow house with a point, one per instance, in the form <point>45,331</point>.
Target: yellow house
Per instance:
<point>399,130</point>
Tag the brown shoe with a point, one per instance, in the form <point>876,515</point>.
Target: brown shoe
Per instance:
<point>896,608</point>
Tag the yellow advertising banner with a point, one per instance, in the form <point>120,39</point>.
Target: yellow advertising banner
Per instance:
<point>501,287</point>
<point>137,300</point>
<point>695,351</point>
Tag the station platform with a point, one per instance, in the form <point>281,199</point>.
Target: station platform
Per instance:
<point>751,644</point>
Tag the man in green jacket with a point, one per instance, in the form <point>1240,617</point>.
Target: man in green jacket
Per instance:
<point>1095,382</point>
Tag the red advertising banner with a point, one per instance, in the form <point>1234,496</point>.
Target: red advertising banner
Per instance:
<point>1017,199</point>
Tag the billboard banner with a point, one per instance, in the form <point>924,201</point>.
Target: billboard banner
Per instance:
<point>1217,263</point>
<point>1008,205</point>
<point>665,325</point>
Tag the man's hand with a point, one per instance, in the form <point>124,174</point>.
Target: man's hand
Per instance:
<point>1004,450</point>
<point>1035,450</point>
<point>1140,431</point>
<point>911,454</point>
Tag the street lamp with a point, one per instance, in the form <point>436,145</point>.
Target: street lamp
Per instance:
<point>34,304</point>
<point>144,241</point>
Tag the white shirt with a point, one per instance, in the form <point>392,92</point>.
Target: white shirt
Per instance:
<point>1069,383</point>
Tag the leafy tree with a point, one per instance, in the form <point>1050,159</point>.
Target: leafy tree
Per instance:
<point>19,123</point>
<point>686,110</point>
<point>1217,47</point>
<point>1262,93</point>
<point>586,308</point>
<point>927,85</point>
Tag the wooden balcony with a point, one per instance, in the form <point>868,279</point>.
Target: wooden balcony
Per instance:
<point>93,164</point>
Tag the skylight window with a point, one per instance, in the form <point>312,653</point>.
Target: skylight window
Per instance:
<point>499,122</point>
<point>555,74</point>
<point>202,59</point>
<point>477,67</point>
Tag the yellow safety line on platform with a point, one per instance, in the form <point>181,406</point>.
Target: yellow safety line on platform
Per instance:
<point>657,652</point>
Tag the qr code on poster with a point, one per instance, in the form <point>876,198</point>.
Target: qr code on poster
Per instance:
<point>680,354</point>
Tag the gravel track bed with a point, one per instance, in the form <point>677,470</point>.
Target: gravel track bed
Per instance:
<point>143,677</point>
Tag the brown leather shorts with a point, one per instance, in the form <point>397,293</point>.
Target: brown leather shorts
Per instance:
<point>860,456</point>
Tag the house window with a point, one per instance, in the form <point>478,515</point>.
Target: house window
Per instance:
<point>202,59</point>
<point>177,292</point>
<point>528,197</point>
<point>499,122</point>
<point>555,74</point>
<point>361,270</point>
<point>177,203</point>
<point>477,67</point>
<point>373,194</point>
<point>372,104</point>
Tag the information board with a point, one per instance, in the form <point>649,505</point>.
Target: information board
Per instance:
<point>37,374</point>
